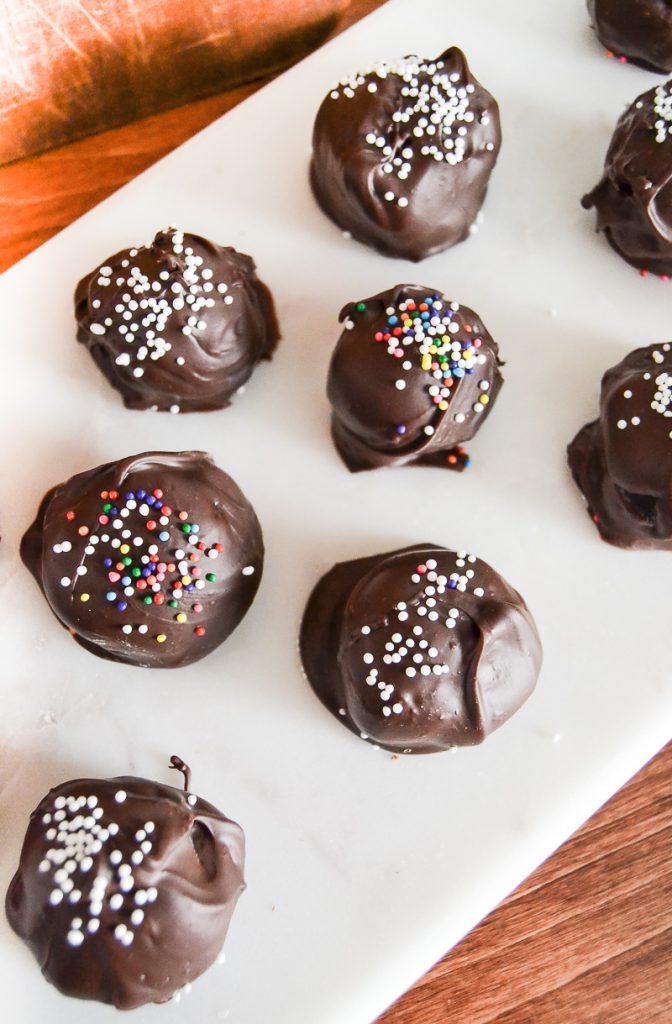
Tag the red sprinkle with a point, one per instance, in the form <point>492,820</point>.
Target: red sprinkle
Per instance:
<point>200,631</point>
<point>158,599</point>
<point>70,515</point>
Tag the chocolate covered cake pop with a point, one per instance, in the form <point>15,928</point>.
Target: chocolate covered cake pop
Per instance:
<point>178,325</point>
<point>413,377</point>
<point>419,650</point>
<point>622,462</point>
<point>639,30</point>
<point>402,153</point>
<point>633,201</point>
<point>152,560</point>
<point>125,888</point>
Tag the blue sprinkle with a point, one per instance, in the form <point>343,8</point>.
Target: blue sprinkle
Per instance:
<point>195,527</point>
<point>467,463</point>
<point>164,535</point>
<point>146,572</point>
<point>107,562</point>
<point>126,581</point>
<point>401,429</point>
<point>151,500</point>
<point>452,584</point>
<point>121,606</point>
<point>458,371</point>
<point>393,320</point>
<point>189,587</point>
<point>424,316</point>
<point>130,496</point>
<point>110,596</point>
<point>470,370</point>
<point>141,494</point>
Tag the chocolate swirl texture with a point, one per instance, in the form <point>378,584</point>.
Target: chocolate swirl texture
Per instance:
<point>633,200</point>
<point>152,560</point>
<point>125,888</point>
<point>419,650</point>
<point>640,30</point>
<point>178,325</point>
<point>402,153</point>
<point>622,462</point>
<point>412,377</point>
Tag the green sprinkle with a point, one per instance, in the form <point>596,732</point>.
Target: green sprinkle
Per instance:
<point>136,572</point>
<point>210,577</point>
<point>186,528</point>
<point>127,561</point>
<point>147,600</point>
<point>360,307</point>
<point>106,507</point>
<point>173,604</point>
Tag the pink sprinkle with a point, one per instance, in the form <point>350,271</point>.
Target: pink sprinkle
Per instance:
<point>477,343</point>
<point>422,569</point>
<point>398,352</point>
<point>113,577</point>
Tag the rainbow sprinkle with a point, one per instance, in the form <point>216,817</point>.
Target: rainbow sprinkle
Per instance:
<point>134,562</point>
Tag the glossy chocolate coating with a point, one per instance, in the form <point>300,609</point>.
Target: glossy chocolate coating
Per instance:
<point>640,30</point>
<point>390,411</point>
<point>633,201</point>
<point>125,888</point>
<point>178,325</point>
<point>152,560</point>
<point>622,462</point>
<point>419,650</point>
<point>402,153</point>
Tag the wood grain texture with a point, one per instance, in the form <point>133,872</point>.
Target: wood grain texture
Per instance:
<point>39,196</point>
<point>587,939</point>
<point>72,67</point>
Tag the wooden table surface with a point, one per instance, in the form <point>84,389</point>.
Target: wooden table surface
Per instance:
<point>587,939</point>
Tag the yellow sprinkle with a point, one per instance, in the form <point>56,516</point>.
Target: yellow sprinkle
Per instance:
<point>180,617</point>
<point>426,362</point>
<point>484,399</point>
<point>186,580</point>
<point>84,597</point>
<point>124,549</point>
<point>161,638</point>
<point>433,349</point>
<point>443,406</point>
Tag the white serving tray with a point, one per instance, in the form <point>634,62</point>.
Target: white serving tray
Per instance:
<point>362,870</point>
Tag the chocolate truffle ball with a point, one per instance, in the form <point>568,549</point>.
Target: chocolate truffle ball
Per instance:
<point>178,325</point>
<point>633,201</point>
<point>622,462</point>
<point>640,30</point>
<point>419,650</point>
<point>413,376</point>
<point>152,560</point>
<point>402,153</point>
<point>125,888</point>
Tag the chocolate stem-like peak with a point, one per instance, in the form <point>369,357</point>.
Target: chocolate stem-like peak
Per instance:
<point>179,764</point>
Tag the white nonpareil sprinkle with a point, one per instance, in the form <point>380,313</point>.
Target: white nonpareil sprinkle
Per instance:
<point>433,110</point>
<point>146,307</point>
<point>662,107</point>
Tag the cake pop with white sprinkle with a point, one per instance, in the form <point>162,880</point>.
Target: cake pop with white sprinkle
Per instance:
<point>419,650</point>
<point>403,151</point>
<point>633,199</point>
<point>622,462</point>
<point>178,325</point>
<point>126,887</point>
